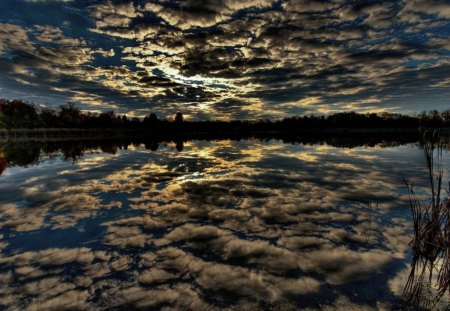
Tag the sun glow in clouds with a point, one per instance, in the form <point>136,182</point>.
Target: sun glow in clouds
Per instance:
<point>227,59</point>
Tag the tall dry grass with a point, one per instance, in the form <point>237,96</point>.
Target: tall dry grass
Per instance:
<point>429,280</point>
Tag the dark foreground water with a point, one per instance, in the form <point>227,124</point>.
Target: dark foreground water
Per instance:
<point>206,225</point>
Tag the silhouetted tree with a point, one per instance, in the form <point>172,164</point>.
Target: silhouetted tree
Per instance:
<point>150,121</point>
<point>49,117</point>
<point>18,114</point>
<point>108,119</point>
<point>445,115</point>
<point>70,115</point>
<point>179,117</point>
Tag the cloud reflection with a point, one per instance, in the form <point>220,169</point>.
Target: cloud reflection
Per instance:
<point>207,228</point>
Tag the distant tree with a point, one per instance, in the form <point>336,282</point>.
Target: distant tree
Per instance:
<point>153,117</point>
<point>151,120</point>
<point>435,117</point>
<point>49,117</point>
<point>179,117</point>
<point>70,115</point>
<point>445,115</point>
<point>18,114</point>
<point>108,119</point>
<point>135,123</point>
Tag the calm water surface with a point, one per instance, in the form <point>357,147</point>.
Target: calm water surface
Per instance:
<point>205,225</point>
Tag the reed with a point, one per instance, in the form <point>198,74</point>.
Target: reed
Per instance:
<point>429,279</point>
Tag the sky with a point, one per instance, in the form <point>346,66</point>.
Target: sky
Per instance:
<point>227,59</point>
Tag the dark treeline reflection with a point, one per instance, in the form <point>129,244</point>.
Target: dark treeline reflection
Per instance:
<point>31,152</point>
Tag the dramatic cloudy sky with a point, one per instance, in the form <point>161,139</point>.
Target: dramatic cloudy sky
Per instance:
<point>227,58</point>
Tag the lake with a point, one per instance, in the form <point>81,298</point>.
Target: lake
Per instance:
<point>270,224</point>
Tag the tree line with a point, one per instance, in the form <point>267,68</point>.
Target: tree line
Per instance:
<point>18,114</point>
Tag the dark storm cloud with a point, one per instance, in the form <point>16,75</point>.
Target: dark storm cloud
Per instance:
<point>275,57</point>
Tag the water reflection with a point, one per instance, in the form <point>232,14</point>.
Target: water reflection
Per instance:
<point>237,224</point>
<point>30,152</point>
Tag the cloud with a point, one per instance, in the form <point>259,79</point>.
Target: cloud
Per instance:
<point>265,57</point>
<point>205,13</point>
<point>413,10</point>
<point>309,6</point>
<point>14,38</point>
<point>43,1</point>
